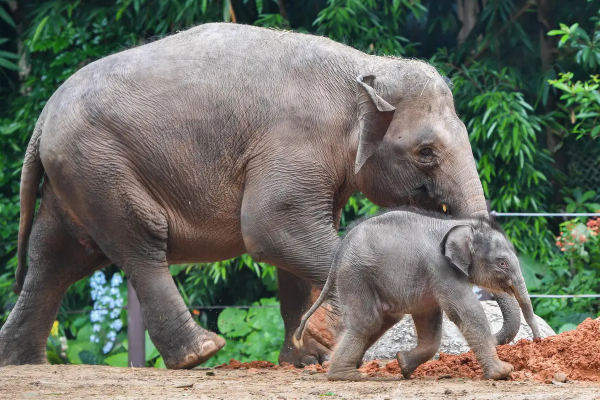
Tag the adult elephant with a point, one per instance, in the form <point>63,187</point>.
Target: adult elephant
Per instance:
<point>217,141</point>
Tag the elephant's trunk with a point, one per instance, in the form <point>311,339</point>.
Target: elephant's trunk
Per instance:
<point>472,203</point>
<point>511,316</point>
<point>520,290</point>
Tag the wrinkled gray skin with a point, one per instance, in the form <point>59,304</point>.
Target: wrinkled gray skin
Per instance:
<point>217,141</point>
<point>408,263</point>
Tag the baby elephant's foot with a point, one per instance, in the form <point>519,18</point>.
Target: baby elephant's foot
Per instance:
<point>352,375</point>
<point>406,366</point>
<point>499,370</point>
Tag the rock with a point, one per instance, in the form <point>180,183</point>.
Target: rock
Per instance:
<point>560,377</point>
<point>402,337</point>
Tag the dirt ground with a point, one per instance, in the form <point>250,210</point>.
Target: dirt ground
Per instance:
<point>565,366</point>
<point>99,382</point>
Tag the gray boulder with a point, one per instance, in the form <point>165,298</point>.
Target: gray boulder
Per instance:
<point>402,336</point>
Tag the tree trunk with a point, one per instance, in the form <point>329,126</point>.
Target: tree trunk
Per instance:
<point>468,12</point>
<point>548,49</point>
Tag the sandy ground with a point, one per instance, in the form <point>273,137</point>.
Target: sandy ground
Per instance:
<point>99,382</point>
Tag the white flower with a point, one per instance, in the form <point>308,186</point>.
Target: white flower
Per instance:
<point>117,324</point>
<point>93,338</point>
<point>107,347</point>
<point>114,291</point>
<point>98,279</point>
<point>119,302</point>
<point>116,280</point>
<point>96,328</point>
<point>112,335</point>
<point>115,313</point>
<point>96,316</point>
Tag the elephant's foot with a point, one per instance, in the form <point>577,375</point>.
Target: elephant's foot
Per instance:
<point>21,345</point>
<point>406,366</point>
<point>195,352</point>
<point>312,352</point>
<point>498,370</point>
<point>344,375</point>
<point>317,342</point>
<point>11,355</point>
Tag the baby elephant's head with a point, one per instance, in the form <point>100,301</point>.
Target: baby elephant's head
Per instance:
<point>485,255</point>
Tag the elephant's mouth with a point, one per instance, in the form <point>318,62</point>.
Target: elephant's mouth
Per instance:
<point>426,200</point>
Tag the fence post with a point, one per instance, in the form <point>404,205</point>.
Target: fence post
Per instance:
<point>136,331</point>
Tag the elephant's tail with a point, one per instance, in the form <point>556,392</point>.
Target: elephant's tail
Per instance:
<point>299,333</point>
<point>31,175</point>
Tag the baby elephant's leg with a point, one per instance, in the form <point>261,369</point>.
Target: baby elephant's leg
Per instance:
<point>360,321</point>
<point>347,356</point>
<point>429,335</point>
<point>472,322</point>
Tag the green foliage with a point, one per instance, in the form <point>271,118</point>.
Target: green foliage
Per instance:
<point>253,334</point>
<point>371,25</point>
<point>580,202</point>
<point>576,39</point>
<point>581,104</point>
<point>573,270</point>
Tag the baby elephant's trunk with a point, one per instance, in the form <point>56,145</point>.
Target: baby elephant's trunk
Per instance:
<point>520,290</point>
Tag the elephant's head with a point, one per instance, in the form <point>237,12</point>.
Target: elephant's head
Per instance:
<point>485,255</point>
<point>412,147</point>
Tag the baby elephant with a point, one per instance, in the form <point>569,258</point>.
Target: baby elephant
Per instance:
<point>403,262</point>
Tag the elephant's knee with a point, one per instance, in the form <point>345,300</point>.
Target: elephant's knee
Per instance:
<point>255,245</point>
<point>257,252</point>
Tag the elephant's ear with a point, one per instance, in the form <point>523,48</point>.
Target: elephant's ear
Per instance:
<point>375,115</point>
<point>457,247</point>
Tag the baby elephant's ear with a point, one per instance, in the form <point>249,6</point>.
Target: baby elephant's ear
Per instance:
<point>457,247</point>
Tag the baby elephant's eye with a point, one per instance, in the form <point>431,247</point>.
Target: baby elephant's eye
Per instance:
<point>503,264</point>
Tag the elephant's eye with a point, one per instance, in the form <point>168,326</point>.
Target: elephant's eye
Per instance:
<point>503,264</point>
<point>426,152</point>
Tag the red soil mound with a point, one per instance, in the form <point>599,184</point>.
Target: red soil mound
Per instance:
<point>574,353</point>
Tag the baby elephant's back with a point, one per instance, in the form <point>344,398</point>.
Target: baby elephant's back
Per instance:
<point>389,243</point>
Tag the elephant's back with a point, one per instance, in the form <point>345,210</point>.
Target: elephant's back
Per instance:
<point>183,116</point>
<point>214,81</point>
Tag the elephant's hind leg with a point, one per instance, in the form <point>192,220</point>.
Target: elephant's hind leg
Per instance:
<point>56,260</point>
<point>429,336</point>
<point>133,233</point>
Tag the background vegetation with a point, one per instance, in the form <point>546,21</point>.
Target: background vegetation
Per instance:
<point>525,85</point>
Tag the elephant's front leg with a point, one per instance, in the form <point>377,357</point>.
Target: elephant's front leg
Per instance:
<point>290,225</point>
<point>467,313</point>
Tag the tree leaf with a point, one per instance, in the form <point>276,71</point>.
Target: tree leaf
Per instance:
<point>9,65</point>
<point>7,54</point>
<point>7,18</point>
<point>117,360</point>
<point>150,350</point>
<point>38,30</point>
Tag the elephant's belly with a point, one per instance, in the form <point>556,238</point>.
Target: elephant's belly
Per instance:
<point>206,237</point>
<point>206,245</point>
